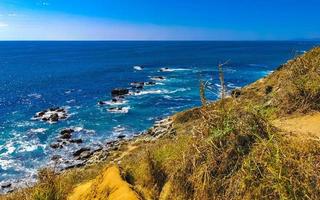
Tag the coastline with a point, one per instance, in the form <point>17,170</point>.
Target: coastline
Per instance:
<point>167,143</point>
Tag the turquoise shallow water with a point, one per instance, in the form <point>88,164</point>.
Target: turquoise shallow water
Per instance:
<point>76,75</point>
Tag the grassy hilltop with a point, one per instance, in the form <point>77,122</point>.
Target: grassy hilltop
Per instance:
<point>262,142</point>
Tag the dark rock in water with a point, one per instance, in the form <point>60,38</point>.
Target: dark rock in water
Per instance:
<point>55,157</point>
<point>6,185</point>
<point>66,136</point>
<point>150,83</point>
<point>116,109</point>
<point>78,152</point>
<point>77,141</point>
<point>61,110</point>
<point>101,103</point>
<point>236,93</point>
<point>66,133</point>
<point>68,130</point>
<point>137,84</point>
<point>54,117</point>
<point>56,145</point>
<point>121,136</point>
<point>119,91</point>
<point>268,89</point>
<point>52,109</point>
<point>40,114</point>
<point>51,115</point>
<point>164,69</point>
<point>158,78</point>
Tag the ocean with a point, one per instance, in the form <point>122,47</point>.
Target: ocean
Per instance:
<point>76,76</point>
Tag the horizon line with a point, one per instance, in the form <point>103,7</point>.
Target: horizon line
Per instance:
<point>94,40</point>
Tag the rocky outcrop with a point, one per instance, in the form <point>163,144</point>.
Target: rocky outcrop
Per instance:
<point>119,92</point>
<point>52,115</point>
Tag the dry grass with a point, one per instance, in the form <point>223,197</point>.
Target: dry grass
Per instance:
<point>53,186</point>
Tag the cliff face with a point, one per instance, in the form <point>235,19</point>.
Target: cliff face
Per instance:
<point>252,145</point>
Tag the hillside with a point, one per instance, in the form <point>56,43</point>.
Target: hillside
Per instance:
<point>259,143</point>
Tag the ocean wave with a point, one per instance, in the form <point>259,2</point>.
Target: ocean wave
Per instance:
<point>163,91</point>
<point>138,68</point>
<point>166,69</point>
<point>158,78</point>
<point>115,103</point>
<point>138,93</point>
<point>118,129</point>
<point>123,110</point>
<point>38,130</point>
<point>35,95</point>
<point>71,101</point>
<point>5,164</point>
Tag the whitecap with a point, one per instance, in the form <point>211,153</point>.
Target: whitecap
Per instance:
<point>179,90</point>
<point>158,78</point>
<point>6,163</point>
<point>78,129</point>
<point>35,95</point>
<point>118,129</point>
<point>119,109</point>
<point>114,103</point>
<point>138,68</point>
<point>138,93</point>
<point>71,101</point>
<point>166,69</point>
<point>38,130</point>
<point>28,147</point>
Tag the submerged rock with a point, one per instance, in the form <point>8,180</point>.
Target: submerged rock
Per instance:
<point>56,145</point>
<point>77,141</point>
<point>66,133</point>
<point>158,78</point>
<point>119,91</point>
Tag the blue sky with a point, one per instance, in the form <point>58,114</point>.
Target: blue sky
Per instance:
<point>159,20</point>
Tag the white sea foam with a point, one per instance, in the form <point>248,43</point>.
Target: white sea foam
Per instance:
<point>166,69</point>
<point>119,110</point>
<point>27,147</point>
<point>5,164</point>
<point>158,78</point>
<point>71,101</point>
<point>35,95</point>
<point>148,92</point>
<point>78,128</point>
<point>38,130</point>
<point>138,68</point>
<point>118,129</point>
<point>163,91</point>
<point>115,103</point>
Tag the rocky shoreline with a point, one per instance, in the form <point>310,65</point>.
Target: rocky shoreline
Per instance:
<point>88,155</point>
<point>70,150</point>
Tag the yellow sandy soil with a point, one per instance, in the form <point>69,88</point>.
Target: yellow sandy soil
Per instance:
<point>107,186</point>
<point>301,125</point>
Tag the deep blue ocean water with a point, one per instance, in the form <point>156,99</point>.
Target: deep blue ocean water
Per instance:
<point>76,75</point>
